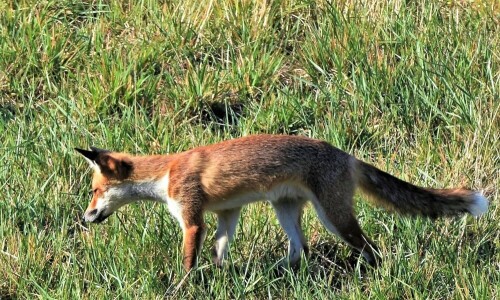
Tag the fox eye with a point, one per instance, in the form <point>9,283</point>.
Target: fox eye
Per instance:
<point>92,192</point>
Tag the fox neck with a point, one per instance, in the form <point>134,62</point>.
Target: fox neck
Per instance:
<point>154,190</point>
<point>149,179</point>
<point>149,182</point>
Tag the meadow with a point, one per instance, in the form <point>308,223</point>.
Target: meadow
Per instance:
<point>412,87</point>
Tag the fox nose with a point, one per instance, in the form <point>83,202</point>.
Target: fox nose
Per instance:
<point>88,216</point>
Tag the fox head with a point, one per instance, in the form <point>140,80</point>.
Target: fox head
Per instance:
<point>111,171</point>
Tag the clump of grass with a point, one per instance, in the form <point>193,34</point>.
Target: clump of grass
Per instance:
<point>412,87</point>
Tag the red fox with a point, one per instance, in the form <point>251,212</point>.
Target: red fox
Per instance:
<point>285,170</point>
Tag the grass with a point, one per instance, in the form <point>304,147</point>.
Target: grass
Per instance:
<point>410,86</point>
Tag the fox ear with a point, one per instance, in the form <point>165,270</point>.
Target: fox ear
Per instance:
<point>119,168</point>
<point>98,150</point>
<point>90,156</point>
<point>101,160</point>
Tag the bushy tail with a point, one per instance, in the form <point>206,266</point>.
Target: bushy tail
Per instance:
<point>407,198</point>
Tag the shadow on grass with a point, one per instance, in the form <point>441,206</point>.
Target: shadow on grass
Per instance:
<point>324,262</point>
<point>221,115</point>
<point>6,294</point>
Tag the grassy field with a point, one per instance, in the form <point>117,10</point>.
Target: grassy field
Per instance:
<point>410,86</point>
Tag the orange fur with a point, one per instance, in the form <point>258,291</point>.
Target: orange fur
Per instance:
<point>286,170</point>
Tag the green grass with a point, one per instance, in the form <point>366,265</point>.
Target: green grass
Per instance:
<point>411,86</point>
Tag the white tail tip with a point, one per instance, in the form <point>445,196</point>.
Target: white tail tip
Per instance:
<point>479,205</point>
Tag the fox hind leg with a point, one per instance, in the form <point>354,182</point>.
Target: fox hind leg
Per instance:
<point>289,213</point>
<point>350,232</point>
<point>340,220</point>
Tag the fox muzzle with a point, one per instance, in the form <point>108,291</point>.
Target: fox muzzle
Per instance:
<point>95,216</point>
